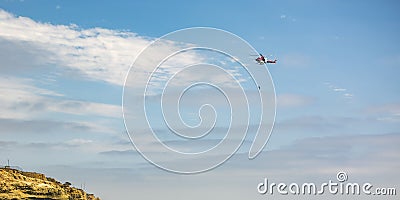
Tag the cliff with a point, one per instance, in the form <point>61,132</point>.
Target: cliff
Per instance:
<point>16,184</point>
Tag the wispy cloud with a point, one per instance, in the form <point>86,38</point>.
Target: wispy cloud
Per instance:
<point>308,125</point>
<point>389,112</point>
<point>97,53</point>
<point>21,99</point>
<point>287,18</point>
<point>392,108</point>
<point>339,89</point>
<point>343,91</point>
<point>74,146</point>
<point>129,152</point>
<point>365,158</point>
<point>10,126</point>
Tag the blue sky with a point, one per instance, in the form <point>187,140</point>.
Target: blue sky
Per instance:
<point>63,64</point>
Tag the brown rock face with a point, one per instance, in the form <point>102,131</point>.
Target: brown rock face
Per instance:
<point>16,184</point>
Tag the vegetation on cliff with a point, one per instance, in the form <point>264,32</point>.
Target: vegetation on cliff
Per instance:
<point>16,184</point>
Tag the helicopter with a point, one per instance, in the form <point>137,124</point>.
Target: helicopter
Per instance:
<point>262,61</point>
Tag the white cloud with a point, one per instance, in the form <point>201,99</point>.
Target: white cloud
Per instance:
<point>97,53</point>
<point>389,112</point>
<point>21,87</point>
<point>90,54</point>
<point>392,108</point>
<point>348,95</point>
<point>365,158</point>
<point>20,99</point>
<point>339,89</point>
<point>323,125</point>
<point>78,142</point>
<point>17,126</point>
<point>85,108</point>
<point>288,18</point>
<point>343,91</point>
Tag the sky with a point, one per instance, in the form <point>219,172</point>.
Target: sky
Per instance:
<point>63,66</point>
